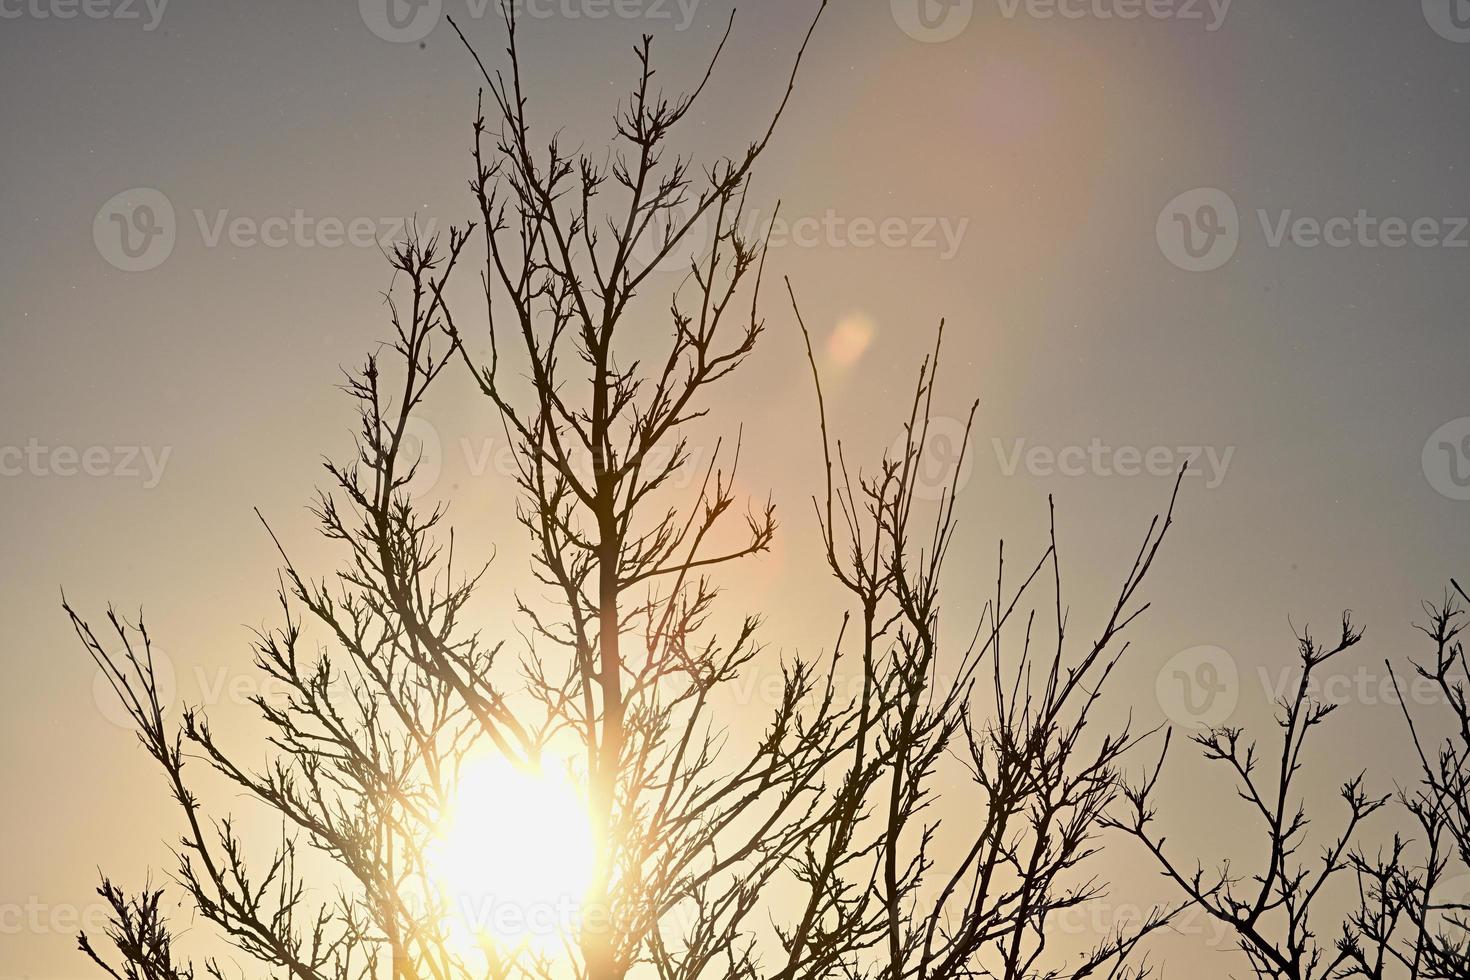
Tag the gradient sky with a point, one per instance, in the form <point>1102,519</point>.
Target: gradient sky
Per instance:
<point>1048,145</point>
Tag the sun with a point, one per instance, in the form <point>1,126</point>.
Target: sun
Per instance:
<point>514,856</point>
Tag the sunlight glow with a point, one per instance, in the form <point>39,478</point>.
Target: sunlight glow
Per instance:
<point>514,857</point>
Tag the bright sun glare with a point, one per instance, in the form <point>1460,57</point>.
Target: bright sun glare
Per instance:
<point>514,857</point>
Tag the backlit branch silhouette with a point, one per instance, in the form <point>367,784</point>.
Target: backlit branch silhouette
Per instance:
<point>805,843</point>
<point>1399,925</point>
<point>1269,909</point>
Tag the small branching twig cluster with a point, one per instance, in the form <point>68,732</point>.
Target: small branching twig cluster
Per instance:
<point>1396,926</point>
<point>1270,910</point>
<point>1407,924</point>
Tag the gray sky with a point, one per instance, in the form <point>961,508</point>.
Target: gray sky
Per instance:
<point>1028,175</point>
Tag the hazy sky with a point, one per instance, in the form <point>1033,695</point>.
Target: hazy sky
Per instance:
<point>1106,208</point>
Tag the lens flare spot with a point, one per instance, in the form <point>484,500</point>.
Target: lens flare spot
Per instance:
<point>850,340</point>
